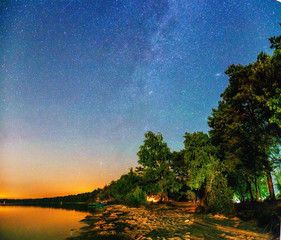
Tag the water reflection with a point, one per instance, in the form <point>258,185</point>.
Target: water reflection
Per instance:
<point>67,206</point>
<point>41,222</point>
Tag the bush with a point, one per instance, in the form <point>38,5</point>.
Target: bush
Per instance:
<point>136,197</point>
<point>125,185</point>
<point>270,222</point>
<point>190,195</point>
<point>220,197</point>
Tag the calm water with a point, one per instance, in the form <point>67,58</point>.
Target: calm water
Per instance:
<point>36,223</point>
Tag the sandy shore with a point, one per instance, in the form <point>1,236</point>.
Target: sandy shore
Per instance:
<point>165,222</point>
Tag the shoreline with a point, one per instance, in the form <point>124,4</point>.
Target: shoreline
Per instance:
<point>165,221</point>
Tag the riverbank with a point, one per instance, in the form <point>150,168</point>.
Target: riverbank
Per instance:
<point>174,221</point>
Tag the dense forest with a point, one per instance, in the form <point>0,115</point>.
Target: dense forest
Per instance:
<point>236,161</point>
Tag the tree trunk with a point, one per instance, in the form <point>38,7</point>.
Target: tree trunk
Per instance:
<point>241,191</point>
<point>260,191</point>
<point>257,189</point>
<point>251,191</point>
<point>163,197</point>
<point>242,199</point>
<point>207,190</point>
<point>270,186</point>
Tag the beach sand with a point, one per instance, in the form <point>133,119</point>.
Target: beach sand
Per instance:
<point>165,221</point>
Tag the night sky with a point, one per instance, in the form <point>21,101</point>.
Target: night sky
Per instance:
<point>82,81</point>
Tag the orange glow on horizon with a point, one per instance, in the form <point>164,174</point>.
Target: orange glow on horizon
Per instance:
<point>33,170</point>
<point>47,193</point>
<point>52,188</point>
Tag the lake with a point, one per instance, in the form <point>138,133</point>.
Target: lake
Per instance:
<point>32,223</point>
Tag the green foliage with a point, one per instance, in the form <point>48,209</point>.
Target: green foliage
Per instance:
<point>154,152</point>
<point>220,197</point>
<point>275,42</point>
<point>105,193</point>
<point>243,127</point>
<point>126,190</point>
<point>136,197</point>
<point>275,105</point>
<point>190,195</point>
<point>155,159</point>
<point>125,184</point>
<point>277,176</point>
<point>180,166</point>
<point>263,189</point>
<point>201,159</point>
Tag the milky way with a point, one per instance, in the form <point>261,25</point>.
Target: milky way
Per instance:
<point>82,81</point>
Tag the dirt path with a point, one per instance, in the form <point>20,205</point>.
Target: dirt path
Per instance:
<point>165,222</point>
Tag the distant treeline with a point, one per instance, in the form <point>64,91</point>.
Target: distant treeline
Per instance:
<point>79,198</point>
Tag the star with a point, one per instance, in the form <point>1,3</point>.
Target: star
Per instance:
<point>83,81</point>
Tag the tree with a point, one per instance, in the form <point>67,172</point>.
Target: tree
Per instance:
<point>179,166</point>
<point>206,173</point>
<point>275,105</point>
<point>241,127</point>
<point>201,161</point>
<point>275,42</point>
<point>154,158</point>
<point>128,190</point>
<point>124,185</point>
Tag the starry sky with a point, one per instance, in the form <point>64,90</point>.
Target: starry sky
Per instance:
<point>83,80</point>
